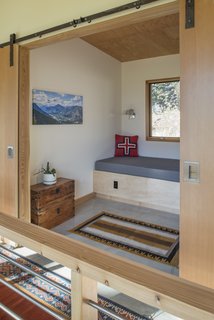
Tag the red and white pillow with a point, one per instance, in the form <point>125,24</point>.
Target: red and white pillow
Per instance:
<point>126,146</point>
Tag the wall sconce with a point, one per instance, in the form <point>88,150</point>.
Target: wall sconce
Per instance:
<point>130,113</point>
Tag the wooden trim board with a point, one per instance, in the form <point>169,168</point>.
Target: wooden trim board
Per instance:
<point>9,131</point>
<point>83,289</point>
<point>85,198</point>
<point>24,135</point>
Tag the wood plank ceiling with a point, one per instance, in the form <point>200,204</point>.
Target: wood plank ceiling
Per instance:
<point>152,38</point>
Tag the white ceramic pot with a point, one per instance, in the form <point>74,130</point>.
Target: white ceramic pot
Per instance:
<point>49,178</point>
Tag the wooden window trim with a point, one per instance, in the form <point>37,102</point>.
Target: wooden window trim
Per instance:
<point>148,117</point>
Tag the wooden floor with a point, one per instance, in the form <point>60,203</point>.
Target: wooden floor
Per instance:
<point>20,306</point>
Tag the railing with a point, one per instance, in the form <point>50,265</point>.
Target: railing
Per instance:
<point>27,297</point>
<point>104,310</point>
<point>36,274</point>
<point>38,304</point>
<point>90,265</point>
<point>9,312</point>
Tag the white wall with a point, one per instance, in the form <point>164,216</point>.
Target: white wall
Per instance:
<point>134,75</point>
<point>77,67</point>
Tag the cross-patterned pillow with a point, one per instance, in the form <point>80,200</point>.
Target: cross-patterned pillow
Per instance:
<point>126,146</point>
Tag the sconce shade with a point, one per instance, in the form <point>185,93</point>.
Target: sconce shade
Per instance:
<point>130,113</point>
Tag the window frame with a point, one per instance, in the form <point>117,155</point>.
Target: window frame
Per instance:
<point>148,110</point>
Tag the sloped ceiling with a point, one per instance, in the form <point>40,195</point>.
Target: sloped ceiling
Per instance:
<point>152,38</point>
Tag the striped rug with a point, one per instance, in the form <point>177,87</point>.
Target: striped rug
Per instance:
<point>142,238</point>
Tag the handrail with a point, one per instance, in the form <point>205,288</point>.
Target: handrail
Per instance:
<point>10,312</point>
<point>28,270</point>
<point>163,290</point>
<point>27,297</point>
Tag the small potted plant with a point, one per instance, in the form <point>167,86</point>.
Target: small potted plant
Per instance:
<point>49,175</point>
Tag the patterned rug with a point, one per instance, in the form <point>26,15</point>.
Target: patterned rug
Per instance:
<point>142,238</point>
<point>48,295</point>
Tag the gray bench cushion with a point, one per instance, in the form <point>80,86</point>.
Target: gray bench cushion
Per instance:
<point>156,168</point>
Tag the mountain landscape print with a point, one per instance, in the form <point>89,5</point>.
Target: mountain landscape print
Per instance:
<point>56,108</point>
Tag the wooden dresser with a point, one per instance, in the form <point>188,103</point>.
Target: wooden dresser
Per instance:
<point>52,205</point>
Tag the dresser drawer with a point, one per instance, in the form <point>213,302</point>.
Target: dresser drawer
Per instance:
<point>54,214</point>
<point>42,195</point>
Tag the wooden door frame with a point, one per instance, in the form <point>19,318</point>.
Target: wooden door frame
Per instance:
<point>9,131</point>
<point>152,12</point>
<point>24,136</point>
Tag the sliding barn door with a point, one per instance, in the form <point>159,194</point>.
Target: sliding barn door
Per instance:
<point>9,132</point>
<point>197,145</point>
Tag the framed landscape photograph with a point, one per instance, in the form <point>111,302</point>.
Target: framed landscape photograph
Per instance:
<point>56,108</point>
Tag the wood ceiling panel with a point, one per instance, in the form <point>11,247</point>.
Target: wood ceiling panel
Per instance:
<point>152,38</point>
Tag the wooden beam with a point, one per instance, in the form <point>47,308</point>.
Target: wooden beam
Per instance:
<point>83,288</point>
<point>167,292</point>
<point>24,135</point>
<point>9,131</point>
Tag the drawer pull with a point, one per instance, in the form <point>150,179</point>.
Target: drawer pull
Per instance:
<point>58,210</point>
<point>57,190</point>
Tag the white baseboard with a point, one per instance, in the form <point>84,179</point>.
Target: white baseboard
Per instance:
<point>85,198</point>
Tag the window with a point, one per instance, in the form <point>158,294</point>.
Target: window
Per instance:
<point>163,109</point>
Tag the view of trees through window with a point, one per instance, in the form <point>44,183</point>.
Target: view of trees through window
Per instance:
<point>165,109</point>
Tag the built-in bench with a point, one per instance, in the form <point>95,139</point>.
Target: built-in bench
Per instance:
<point>156,168</point>
<point>146,181</point>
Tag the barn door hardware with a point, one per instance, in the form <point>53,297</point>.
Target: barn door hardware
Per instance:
<point>12,41</point>
<point>74,23</point>
<point>190,14</point>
